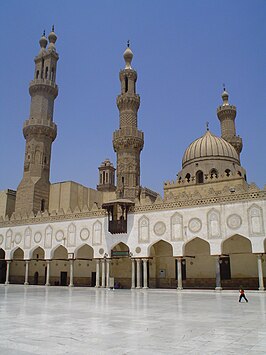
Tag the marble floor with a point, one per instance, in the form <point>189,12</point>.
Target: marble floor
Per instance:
<point>62,320</point>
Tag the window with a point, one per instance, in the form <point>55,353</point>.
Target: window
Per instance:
<point>227,172</point>
<point>199,177</point>
<point>188,177</point>
<point>37,74</point>
<point>126,84</point>
<point>42,205</point>
<point>214,173</point>
<point>46,72</point>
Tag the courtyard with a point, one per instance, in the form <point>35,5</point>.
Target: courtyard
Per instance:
<point>64,320</point>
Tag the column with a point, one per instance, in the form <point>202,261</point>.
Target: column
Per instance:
<point>103,272</point>
<point>108,273</point>
<point>133,273</point>
<point>218,274</point>
<point>138,273</point>
<point>48,262</point>
<point>260,273</point>
<point>97,273</point>
<point>27,273</point>
<point>8,262</point>
<point>71,276</point>
<point>145,274</point>
<point>179,274</point>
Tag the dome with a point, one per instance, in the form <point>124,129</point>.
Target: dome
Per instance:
<point>209,147</point>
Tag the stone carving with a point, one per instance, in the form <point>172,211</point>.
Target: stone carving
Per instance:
<point>9,234</point>
<point>234,221</point>
<point>101,251</point>
<point>97,233</point>
<point>194,225</point>
<point>27,238</point>
<point>18,238</point>
<point>37,237</point>
<point>138,250</point>
<point>48,237</point>
<point>144,230</point>
<point>59,235</point>
<point>1,239</point>
<point>71,235</point>
<point>84,234</point>
<point>255,219</point>
<point>159,228</point>
<point>214,225</point>
<point>176,227</point>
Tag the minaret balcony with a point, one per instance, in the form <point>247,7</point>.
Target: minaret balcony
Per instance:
<point>43,85</point>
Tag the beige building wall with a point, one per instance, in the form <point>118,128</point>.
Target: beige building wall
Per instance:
<point>7,202</point>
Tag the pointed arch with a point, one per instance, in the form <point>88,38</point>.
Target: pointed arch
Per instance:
<point>84,251</point>
<point>71,235</point>
<point>59,252</point>
<point>196,246</point>
<point>236,244</point>
<point>255,219</point>
<point>144,229</point>
<point>176,226</point>
<point>97,233</point>
<point>160,247</point>
<point>214,224</point>
<point>37,250</point>
<point>17,253</point>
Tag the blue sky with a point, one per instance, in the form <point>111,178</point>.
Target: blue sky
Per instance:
<point>183,52</point>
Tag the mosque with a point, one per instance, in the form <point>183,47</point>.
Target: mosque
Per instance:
<point>207,231</point>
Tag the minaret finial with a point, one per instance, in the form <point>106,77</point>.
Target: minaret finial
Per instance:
<point>43,33</point>
<point>53,28</point>
<point>207,125</point>
<point>128,43</point>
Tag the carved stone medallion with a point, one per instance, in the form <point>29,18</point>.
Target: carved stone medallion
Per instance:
<point>37,237</point>
<point>18,238</point>
<point>59,236</point>
<point>101,251</point>
<point>159,228</point>
<point>138,250</point>
<point>1,239</point>
<point>84,234</point>
<point>234,221</point>
<point>194,225</point>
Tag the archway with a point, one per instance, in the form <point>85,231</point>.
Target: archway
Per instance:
<point>37,267</point>
<point>199,264</point>
<point>2,267</point>
<point>120,268</point>
<point>162,273</point>
<point>59,268</point>
<point>17,267</point>
<point>84,267</point>
<point>237,251</point>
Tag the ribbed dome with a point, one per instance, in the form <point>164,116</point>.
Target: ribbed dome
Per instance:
<point>208,147</point>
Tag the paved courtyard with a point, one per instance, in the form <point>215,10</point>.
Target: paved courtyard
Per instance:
<point>62,320</point>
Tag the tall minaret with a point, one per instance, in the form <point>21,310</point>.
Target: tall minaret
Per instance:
<point>39,131</point>
<point>227,114</point>
<point>128,141</point>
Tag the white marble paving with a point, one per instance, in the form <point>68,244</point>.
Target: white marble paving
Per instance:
<point>62,320</point>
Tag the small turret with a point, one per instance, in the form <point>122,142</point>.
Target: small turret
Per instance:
<point>106,177</point>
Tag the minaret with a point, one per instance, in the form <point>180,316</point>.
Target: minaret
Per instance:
<point>128,141</point>
<point>227,114</point>
<point>39,131</point>
<point>106,177</point>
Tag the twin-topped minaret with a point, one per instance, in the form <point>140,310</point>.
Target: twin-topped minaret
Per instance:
<point>128,141</point>
<point>39,131</point>
<point>227,114</point>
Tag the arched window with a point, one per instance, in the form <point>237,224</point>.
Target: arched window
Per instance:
<point>52,74</point>
<point>188,177</point>
<point>214,173</point>
<point>37,74</point>
<point>199,177</point>
<point>239,173</point>
<point>126,84</point>
<point>46,72</point>
<point>42,205</point>
<point>227,172</point>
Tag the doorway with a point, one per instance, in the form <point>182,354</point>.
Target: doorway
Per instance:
<point>63,278</point>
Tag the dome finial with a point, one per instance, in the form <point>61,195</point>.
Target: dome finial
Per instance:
<point>128,55</point>
<point>207,126</point>
<point>43,42</point>
<point>128,43</point>
<point>225,96</point>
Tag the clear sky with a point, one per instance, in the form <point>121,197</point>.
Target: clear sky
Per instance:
<point>183,52</point>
